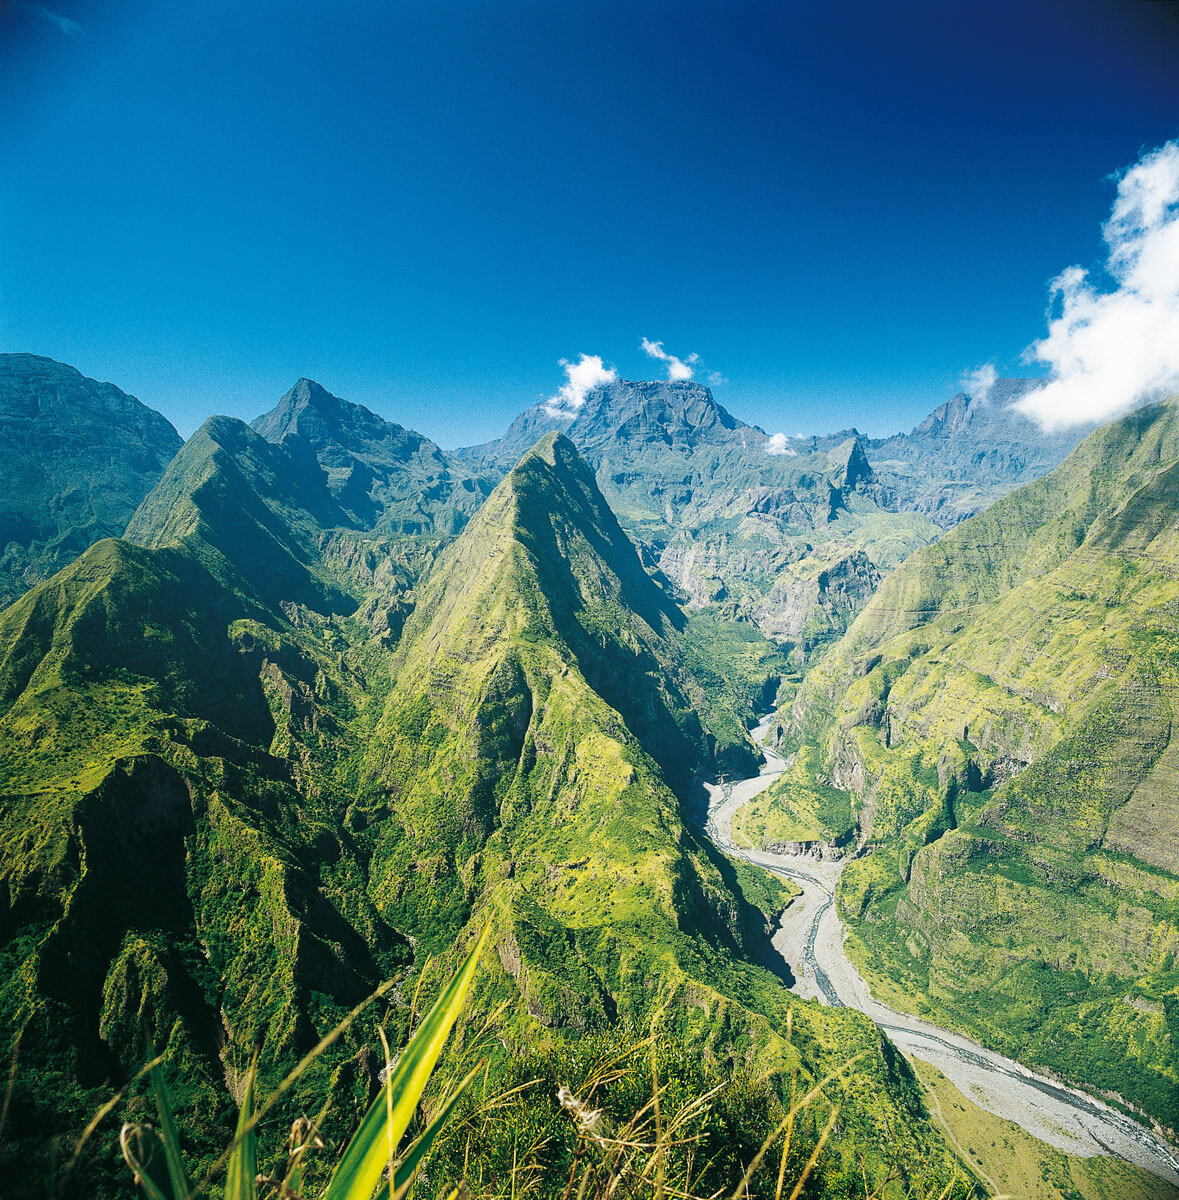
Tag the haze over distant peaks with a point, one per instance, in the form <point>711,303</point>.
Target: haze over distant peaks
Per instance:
<point>377,470</point>
<point>968,452</point>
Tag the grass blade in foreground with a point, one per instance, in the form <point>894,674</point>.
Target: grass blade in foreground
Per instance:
<point>242,1172</point>
<point>368,1154</point>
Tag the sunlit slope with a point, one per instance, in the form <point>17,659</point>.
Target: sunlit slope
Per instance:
<point>231,803</point>
<point>521,768</point>
<point>1001,714</point>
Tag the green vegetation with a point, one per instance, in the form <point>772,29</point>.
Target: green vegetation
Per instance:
<point>372,1156</point>
<point>1012,1163</point>
<point>789,542</point>
<point>255,763</point>
<point>1002,715</point>
<point>798,807</point>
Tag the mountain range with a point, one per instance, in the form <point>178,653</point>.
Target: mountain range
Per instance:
<point>795,534</point>
<point>334,699</point>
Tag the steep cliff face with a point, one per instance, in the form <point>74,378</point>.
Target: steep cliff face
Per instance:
<point>76,458</point>
<point>812,603</point>
<point>378,472</point>
<point>1001,714</point>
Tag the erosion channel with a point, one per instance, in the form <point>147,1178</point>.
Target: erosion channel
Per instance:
<point>811,940</point>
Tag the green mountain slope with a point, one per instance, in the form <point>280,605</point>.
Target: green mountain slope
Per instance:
<point>1001,719</point>
<point>174,874</point>
<point>233,800</point>
<point>791,537</point>
<point>76,458</point>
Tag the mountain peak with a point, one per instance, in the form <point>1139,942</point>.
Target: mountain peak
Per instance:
<point>555,449</point>
<point>310,411</point>
<point>676,410</point>
<point>376,470</point>
<point>680,413</point>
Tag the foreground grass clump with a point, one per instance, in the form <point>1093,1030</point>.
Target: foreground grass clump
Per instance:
<point>647,1119</point>
<point>372,1161</point>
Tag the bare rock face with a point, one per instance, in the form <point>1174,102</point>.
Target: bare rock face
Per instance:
<point>813,602</point>
<point>818,851</point>
<point>76,459</point>
<point>969,452</point>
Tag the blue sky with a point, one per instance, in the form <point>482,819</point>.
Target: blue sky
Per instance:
<point>841,208</point>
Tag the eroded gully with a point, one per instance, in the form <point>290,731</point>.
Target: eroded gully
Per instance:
<point>810,938</point>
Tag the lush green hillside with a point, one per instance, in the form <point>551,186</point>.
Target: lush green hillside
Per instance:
<point>1002,716</point>
<point>258,759</point>
<point>76,458</point>
<point>792,537</point>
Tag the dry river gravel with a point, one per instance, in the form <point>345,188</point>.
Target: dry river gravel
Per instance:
<point>811,940</point>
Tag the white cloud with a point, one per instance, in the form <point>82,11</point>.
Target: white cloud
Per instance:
<point>977,384</point>
<point>677,368</point>
<point>1107,350</point>
<point>581,378</point>
<point>67,26</point>
<point>777,445</point>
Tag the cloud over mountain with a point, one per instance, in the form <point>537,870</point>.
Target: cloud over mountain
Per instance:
<point>677,368</point>
<point>581,378</point>
<point>977,384</point>
<point>1108,349</point>
<point>778,443</point>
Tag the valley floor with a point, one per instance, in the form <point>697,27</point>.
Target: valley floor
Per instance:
<point>811,939</point>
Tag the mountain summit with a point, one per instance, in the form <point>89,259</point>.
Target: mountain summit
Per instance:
<point>968,452</point>
<point>680,413</point>
<point>379,472</point>
<point>737,521</point>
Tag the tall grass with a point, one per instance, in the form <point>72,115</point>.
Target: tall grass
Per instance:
<point>372,1163</point>
<point>623,1126</point>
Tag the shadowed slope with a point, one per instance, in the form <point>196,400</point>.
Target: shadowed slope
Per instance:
<point>380,474</point>
<point>76,457</point>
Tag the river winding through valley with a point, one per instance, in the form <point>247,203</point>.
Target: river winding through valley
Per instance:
<point>811,940</point>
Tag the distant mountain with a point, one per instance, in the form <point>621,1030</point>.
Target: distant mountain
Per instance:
<point>76,459</point>
<point>968,453</point>
<point>739,523</point>
<point>379,473</point>
<point>1001,721</point>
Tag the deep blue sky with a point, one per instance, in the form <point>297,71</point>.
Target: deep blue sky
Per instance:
<point>840,207</point>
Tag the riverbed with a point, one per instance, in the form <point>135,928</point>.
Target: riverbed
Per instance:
<point>810,938</point>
